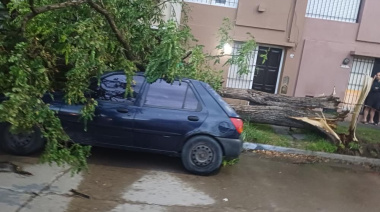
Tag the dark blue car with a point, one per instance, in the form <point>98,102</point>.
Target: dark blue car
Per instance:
<point>186,118</point>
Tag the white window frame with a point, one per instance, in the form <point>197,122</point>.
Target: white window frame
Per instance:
<point>213,2</point>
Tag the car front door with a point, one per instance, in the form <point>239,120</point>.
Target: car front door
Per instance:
<point>112,124</point>
<point>168,113</point>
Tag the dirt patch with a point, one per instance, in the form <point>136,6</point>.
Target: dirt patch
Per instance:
<point>361,148</point>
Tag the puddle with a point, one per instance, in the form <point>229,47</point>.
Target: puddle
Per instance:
<point>160,188</point>
<point>138,208</point>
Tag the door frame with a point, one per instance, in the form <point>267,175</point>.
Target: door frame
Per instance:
<point>280,66</point>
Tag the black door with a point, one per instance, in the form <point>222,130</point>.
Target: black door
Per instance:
<point>168,113</point>
<point>267,69</point>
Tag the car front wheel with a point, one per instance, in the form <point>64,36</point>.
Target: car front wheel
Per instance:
<point>202,155</point>
<point>24,143</point>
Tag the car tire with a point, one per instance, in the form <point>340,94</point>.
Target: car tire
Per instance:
<point>22,143</point>
<point>202,155</point>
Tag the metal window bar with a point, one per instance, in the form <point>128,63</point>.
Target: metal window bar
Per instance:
<point>243,81</point>
<point>225,3</point>
<point>361,68</point>
<point>336,10</point>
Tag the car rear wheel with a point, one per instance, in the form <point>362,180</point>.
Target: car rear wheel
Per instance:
<point>24,143</point>
<point>202,155</point>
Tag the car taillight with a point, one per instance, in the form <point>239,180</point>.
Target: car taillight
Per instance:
<point>238,123</point>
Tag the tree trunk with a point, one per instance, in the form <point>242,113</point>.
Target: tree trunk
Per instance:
<point>283,116</point>
<point>298,112</point>
<point>367,84</point>
<point>262,98</point>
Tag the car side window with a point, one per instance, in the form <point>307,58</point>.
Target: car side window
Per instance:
<point>173,96</point>
<point>112,88</point>
<point>191,102</point>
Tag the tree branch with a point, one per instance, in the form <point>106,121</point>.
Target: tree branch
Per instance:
<point>118,33</point>
<point>187,55</point>
<point>5,2</point>
<point>31,6</point>
<point>39,10</point>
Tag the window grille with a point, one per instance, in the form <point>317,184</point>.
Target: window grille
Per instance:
<point>361,68</point>
<point>336,10</point>
<point>243,81</point>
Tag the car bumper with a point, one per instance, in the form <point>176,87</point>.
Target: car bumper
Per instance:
<point>232,147</point>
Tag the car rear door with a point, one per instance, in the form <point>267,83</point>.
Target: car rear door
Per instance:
<point>168,113</point>
<point>112,124</point>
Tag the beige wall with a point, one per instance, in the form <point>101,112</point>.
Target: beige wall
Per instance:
<point>369,30</point>
<point>293,56</point>
<point>281,24</point>
<point>264,14</point>
<point>205,20</point>
<point>321,45</point>
<point>327,43</point>
<point>320,68</point>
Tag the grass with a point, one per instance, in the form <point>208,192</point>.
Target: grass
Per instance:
<point>322,146</point>
<point>230,162</point>
<point>364,134</point>
<point>264,134</point>
<point>315,142</point>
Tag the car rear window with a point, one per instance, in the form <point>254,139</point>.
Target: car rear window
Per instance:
<point>226,107</point>
<point>173,96</point>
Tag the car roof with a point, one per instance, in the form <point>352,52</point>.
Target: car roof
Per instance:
<point>140,74</point>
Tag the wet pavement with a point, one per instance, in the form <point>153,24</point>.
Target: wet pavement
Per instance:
<point>120,181</point>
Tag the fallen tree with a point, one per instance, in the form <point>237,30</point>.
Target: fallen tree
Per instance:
<point>262,98</point>
<point>298,112</point>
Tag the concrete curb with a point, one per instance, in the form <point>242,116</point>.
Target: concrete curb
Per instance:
<point>348,158</point>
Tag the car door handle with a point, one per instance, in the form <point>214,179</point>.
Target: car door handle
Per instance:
<point>193,118</point>
<point>122,110</point>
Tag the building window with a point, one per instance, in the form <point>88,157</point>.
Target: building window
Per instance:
<point>224,3</point>
<point>336,10</point>
<point>361,68</point>
<point>243,81</point>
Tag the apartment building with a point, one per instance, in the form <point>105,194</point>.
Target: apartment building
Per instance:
<point>314,47</point>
